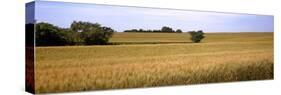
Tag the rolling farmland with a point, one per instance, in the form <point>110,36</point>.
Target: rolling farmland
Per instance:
<point>154,59</point>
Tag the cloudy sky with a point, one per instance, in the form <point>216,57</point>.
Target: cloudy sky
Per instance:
<point>124,18</point>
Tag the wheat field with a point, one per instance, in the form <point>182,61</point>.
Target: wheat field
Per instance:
<point>171,60</point>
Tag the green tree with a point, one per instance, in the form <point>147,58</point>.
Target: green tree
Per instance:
<point>92,33</point>
<point>72,37</point>
<point>49,35</point>
<point>178,31</point>
<point>197,36</point>
<point>166,29</point>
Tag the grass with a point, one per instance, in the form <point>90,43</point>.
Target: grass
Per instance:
<point>221,57</point>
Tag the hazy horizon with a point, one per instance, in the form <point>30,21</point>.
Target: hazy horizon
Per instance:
<point>122,18</point>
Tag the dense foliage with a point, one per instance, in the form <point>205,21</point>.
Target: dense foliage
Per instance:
<point>80,33</point>
<point>196,36</point>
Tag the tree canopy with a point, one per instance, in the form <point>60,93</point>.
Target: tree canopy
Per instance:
<point>178,31</point>
<point>196,36</point>
<point>49,35</point>
<point>79,33</point>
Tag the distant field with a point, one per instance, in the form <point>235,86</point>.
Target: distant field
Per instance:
<point>221,57</point>
<point>149,37</point>
<point>155,38</point>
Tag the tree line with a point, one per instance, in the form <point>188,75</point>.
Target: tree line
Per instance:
<point>164,29</point>
<point>79,33</point>
<point>87,33</point>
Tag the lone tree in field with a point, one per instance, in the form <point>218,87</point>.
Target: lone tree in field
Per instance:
<point>196,36</point>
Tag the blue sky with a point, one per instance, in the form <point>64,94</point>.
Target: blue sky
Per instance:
<point>124,18</point>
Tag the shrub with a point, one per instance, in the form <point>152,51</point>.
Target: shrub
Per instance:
<point>196,36</point>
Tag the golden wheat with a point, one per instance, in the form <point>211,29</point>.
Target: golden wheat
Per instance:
<point>221,57</point>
